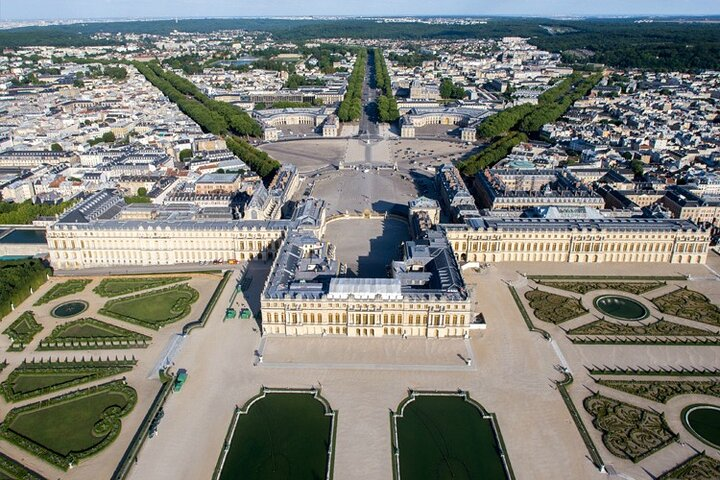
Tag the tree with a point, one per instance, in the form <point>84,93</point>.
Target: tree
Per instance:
<point>449,90</point>
<point>185,154</point>
<point>56,147</point>
<point>142,192</point>
<point>637,167</point>
<point>108,137</point>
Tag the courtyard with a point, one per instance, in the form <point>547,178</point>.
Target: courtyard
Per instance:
<point>367,246</point>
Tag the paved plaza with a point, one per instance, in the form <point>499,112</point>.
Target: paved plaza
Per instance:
<point>356,191</point>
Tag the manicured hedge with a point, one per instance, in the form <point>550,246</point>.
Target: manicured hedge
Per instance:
<point>115,287</point>
<point>22,331</point>
<point>69,373</point>
<point>152,309</point>
<point>11,469</point>
<point>107,427</point>
<point>97,335</point>
<point>62,290</point>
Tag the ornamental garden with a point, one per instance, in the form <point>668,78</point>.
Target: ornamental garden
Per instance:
<point>635,412</point>
<point>71,351</point>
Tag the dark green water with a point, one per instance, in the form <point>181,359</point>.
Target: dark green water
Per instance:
<point>25,236</point>
<point>621,307</point>
<point>446,438</point>
<point>284,436</point>
<point>69,309</point>
<point>705,422</point>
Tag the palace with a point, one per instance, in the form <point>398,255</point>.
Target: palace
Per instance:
<point>426,295</point>
<point>272,119</point>
<point>466,118</point>
<point>589,240</point>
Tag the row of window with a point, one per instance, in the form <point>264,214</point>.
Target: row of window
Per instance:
<point>367,319</point>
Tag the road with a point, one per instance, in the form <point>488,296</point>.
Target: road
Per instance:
<point>369,127</point>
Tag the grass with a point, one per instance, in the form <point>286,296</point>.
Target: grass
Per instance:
<point>33,379</point>
<point>65,429</point>
<point>153,309</point>
<point>689,304</point>
<point>283,435</point>
<point>445,437</point>
<point>91,333</point>
<point>64,289</point>
<point>22,331</point>
<point>553,308</point>
<point>114,287</point>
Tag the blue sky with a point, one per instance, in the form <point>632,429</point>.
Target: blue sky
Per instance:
<point>70,9</point>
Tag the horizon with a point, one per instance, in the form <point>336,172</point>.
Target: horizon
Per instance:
<point>138,10</point>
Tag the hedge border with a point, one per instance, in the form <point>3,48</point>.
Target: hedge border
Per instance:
<point>75,285</point>
<point>52,342</point>
<point>112,421</point>
<point>164,281</point>
<point>91,369</point>
<point>654,371</point>
<point>526,317</point>
<point>579,424</point>
<point>194,296</point>
<point>20,341</point>
<point>128,459</point>
<point>17,470</point>
<point>188,327</point>
<point>677,278</point>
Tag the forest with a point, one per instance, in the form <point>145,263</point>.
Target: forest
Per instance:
<point>17,277</point>
<point>670,44</point>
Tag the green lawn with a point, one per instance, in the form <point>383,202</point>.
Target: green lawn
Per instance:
<point>71,426</point>
<point>62,290</point>
<point>23,330</point>
<point>89,330</point>
<point>113,287</point>
<point>153,309</point>
<point>447,438</point>
<point>283,436</point>
<point>33,379</point>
